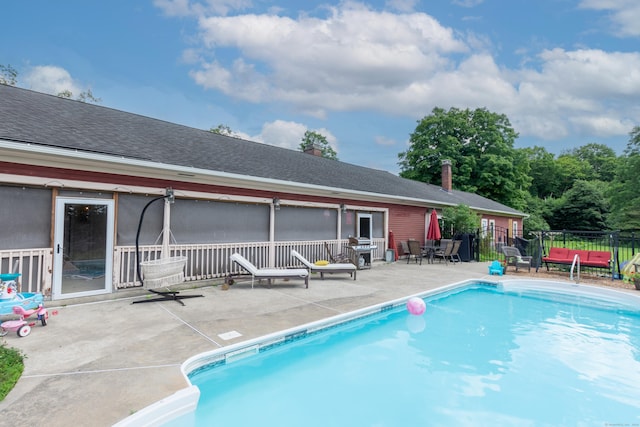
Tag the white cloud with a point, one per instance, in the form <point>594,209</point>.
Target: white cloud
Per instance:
<point>194,8</point>
<point>289,135</point>
<point>384,141</point>
<point>349,60</point>
<point>357,59</point>
<point>402,5</point>
<point>625,15</point>
<point>51,79</point>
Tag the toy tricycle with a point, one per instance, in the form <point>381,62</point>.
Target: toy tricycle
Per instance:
<point>23,304</point>
<point>21,326</point>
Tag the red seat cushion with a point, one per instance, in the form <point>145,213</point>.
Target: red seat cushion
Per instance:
<point>599,258</point>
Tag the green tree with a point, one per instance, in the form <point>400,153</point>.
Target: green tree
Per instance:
<point>543,172</point>
<point>8,75</point>
<point>625,189</point>
<point>480,145</point>
<point>460,219</point>
<point>83,97</point>
<point>582,207</point>
<point>222,129</point>
<point>320,142</point>
<point>600,157</point>
<point>536,208</point>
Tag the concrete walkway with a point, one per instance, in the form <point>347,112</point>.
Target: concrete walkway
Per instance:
<point>97,362</point>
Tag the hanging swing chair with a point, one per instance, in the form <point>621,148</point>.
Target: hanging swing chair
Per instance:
<point>167,270</point>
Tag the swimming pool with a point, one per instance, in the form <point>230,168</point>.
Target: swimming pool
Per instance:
<point>513,353</point>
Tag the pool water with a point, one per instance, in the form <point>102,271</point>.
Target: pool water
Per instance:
<point>478,356</point>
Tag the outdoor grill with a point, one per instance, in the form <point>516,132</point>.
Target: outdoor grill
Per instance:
<point>360,251</point>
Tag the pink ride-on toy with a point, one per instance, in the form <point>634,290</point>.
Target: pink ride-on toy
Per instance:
<point>21,326</point>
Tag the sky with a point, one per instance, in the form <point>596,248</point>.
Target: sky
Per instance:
<point>565,73</point>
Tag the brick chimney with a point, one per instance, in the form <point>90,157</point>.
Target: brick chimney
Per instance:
<point>313,149</point>
<point>446,176</point>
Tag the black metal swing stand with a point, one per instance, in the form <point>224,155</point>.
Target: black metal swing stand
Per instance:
<point>167,295</point>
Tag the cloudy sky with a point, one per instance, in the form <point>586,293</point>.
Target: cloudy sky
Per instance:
<point>565,72</point>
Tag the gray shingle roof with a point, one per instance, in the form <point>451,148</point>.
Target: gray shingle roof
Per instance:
<point>47,120</point>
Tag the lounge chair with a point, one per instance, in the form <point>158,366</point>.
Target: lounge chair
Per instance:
<point>270,273</point>
<point>514,258</point>
<point>345,267</point>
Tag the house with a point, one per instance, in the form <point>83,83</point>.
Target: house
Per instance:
<point>75,177</point>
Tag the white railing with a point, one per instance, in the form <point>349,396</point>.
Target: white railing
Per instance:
<point>34,266</point>
<point>209,261</point>
<point>576,262</point>
<point>204,261</point>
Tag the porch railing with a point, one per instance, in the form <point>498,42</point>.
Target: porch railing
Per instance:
<point>34,266</point>
<point>204,261</point>
<point>209,261</point>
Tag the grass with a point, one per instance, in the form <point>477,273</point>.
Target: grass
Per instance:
<point>11,366</point>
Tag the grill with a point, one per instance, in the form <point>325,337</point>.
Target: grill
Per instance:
<point>360,251</point>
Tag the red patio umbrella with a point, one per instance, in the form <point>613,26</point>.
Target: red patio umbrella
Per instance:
<point>392,245</point>
<point>433,232</point>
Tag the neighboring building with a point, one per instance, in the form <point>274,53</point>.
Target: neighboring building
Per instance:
<point>75,177</point>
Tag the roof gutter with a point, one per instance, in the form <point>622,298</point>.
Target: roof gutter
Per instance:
<point>42,155</point>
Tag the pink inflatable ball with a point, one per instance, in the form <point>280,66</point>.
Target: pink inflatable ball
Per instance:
<point>416,306</point>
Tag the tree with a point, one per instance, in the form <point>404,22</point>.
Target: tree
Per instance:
<point>479,144</point>
<point>8,75</point>
<point>320,142</point>
<point>83,97</point>
<point>222,129</point>
<point>625,197</point>
<point>582,207</point>
<point>600,157</point>
<point>543,172</point>
<point>460,219</point>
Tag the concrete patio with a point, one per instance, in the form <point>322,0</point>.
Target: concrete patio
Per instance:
<point>99,361</point>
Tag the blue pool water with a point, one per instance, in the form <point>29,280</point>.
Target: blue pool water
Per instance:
<point>479,356</point>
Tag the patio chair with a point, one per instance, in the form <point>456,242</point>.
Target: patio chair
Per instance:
<point>270,273</point>
<point>405,248</point>
<point>444,252</point>
<point>514,258</point>
<point>454,257</point>
<point>345,267</point>
<point>336,259</point>
<point>415,251</point>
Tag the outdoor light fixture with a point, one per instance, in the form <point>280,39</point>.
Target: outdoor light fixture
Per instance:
<point>276,203</point>
<point>343,208</point>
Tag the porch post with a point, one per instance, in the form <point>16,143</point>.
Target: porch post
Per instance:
<point>272,236</point>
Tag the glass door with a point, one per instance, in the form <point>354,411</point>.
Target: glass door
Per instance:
<point>83,247</point>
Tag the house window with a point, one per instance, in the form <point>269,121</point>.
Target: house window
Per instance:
<point>485,227</point>
<point>492,229</point>
<point>515,228</point>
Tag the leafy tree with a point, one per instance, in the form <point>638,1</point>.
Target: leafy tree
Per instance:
<point>222,129</point>
<point>480,145</point>
<point>625,197</point>
<point>83,97</point>
<point>583,207</point>
<point>600,157</point>
<point>536,208</point>
<point>571,169</point>
<point>8,75</point>
<point>544,172</point>
<point>319,141</point>
<point>460,219</point>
